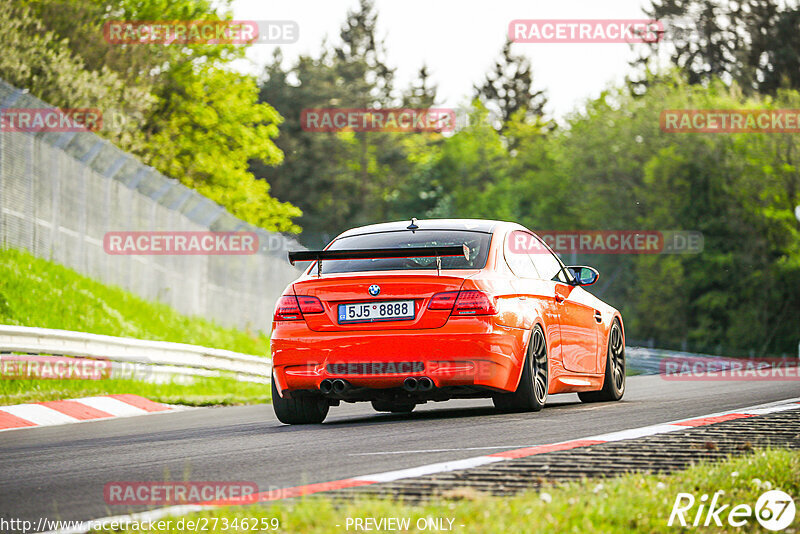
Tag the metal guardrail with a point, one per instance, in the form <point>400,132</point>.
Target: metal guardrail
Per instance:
<point>135,358</point>
<point>648,361</point>
<point>160,361</point>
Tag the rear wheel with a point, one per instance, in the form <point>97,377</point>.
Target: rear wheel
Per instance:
<point>531,393</point>
<point>299,411</point>
<point>393,407</point>
<point>614,379</point>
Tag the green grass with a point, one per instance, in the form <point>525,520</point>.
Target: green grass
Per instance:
<point>632,503</point>
<point>36,292</point>
<point>202,392</point>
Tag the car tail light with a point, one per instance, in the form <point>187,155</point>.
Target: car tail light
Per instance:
<point>310,305</point>
<point>468,302</point>
<point>472,302</point>
<point>443,301</point>
<point>291,308</point>
<point>287,309</point>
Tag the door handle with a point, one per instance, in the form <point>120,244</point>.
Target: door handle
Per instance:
<point>560,298</point>
<point>598,316</point>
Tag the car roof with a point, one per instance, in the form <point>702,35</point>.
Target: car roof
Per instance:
<point>474,225</point>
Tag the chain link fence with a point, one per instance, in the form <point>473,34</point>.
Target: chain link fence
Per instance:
<point>61,192</point>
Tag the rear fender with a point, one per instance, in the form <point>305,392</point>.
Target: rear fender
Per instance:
<point>603,346</point>
<point>517,376</point>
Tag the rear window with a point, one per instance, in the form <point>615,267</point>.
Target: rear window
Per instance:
<point>478,243</point>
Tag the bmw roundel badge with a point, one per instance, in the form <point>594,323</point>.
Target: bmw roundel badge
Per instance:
<point>374,290</point>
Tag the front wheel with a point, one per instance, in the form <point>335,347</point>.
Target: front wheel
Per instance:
<point>531,393</point>
<point>299,411</point>
<point>614,379</point>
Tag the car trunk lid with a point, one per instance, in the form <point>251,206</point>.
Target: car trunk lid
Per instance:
<point>353,288</point>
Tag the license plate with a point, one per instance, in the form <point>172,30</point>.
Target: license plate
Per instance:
<point>368,312</point>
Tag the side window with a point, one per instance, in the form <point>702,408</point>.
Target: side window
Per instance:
<point>520,262</point>
<point>548,265</point>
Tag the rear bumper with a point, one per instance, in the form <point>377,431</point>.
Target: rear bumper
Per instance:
<point>465,352</point>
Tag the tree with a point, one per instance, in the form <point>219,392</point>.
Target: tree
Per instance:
<point>508,88</point>
<point>215,127</point>
<point>347,178</point>
<point>361,58</point>
<point>182,110</point>
<point>755,43</point>
<point>772,61</point>
<point>422,93</point>
<point>37,59</point>
<point>737,189</point>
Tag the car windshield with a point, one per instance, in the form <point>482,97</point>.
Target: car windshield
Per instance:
<point>478,243</point>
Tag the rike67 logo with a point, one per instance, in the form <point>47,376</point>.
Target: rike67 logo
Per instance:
<point>774,510</point>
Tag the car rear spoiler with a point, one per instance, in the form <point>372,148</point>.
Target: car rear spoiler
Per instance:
<point>379,253</point>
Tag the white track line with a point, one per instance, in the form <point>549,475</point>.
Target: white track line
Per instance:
<point>634,433</point>
<point>439,450</point>
<point>442,467</point>
<point>390,476</point>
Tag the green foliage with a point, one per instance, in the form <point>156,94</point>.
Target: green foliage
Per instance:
<point>178,107</point>
<point>339,180</point>
<point>737,295</point>
<point>509,87</point>
<point>755,43</point>
<point>36,292</point>
<point>200,392</point>
<point>636,502</point>
<point>608,166</point>
<point>213,127</point>
<point>40,60</point>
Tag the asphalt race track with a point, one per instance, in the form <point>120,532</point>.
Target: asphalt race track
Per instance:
<point>59,472</point>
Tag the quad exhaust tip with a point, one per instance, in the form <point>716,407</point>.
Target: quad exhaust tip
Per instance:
<point>326,386</point>
<point>340,386</point>
<point>410,384</point>
<point>424,384</point>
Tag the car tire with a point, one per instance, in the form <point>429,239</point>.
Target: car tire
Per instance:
<point>531,393</point>
<point>614,378</point>
<point>387,406</point>
<point>299,411</point>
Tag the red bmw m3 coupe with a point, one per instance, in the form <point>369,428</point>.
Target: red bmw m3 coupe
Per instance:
<point>402,313</point>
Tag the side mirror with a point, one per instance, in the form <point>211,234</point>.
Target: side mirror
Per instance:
<point>584,276</point>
